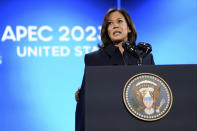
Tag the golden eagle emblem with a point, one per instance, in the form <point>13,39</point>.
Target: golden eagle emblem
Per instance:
<point>147,96</point>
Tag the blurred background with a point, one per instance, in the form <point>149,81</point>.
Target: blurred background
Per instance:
<point>43,44</point>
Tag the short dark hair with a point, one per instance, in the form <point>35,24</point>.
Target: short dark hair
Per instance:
<point>132,36</point>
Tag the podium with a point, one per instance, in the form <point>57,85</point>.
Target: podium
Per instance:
<point>105,109</point>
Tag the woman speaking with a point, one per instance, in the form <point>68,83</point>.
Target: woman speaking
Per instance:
<point>117,28</point>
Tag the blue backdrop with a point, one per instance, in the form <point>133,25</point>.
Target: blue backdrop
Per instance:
<point>43,44</point>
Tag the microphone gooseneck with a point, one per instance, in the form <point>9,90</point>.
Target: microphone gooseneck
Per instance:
<point>140,51</point>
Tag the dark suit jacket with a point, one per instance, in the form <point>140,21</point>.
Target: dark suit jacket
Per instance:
<point>109,55</point>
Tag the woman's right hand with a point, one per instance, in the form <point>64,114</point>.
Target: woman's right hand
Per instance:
<point>77,95</point>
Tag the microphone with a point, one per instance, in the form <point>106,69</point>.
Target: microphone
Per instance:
<point>140,51</point>
<point>145,47</point>
<point>131,48</point>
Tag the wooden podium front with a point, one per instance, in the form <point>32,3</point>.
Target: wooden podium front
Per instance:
<point>105,110</point>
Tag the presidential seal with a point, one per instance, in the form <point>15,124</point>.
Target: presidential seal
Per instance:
<point>147,96</point>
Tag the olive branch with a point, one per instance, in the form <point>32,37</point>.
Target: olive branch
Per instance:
<point>135,105</point>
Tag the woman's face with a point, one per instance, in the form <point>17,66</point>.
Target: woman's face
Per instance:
<point>117,28</point>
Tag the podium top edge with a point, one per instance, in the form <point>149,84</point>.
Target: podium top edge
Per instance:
<point>175,65</point>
